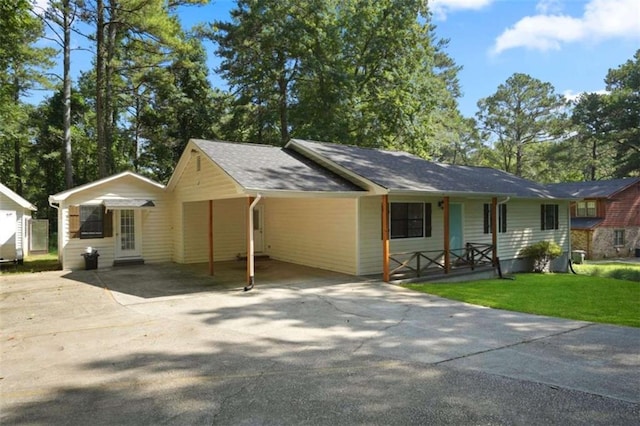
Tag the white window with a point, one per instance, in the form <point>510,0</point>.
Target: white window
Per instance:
<point>618,237</point>
<point>586,209</point>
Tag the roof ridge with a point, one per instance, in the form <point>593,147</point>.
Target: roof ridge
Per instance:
<point>254,144</point>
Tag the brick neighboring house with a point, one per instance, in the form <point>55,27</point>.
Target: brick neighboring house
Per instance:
<point>605,222</point>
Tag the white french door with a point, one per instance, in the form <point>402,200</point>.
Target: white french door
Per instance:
<point>128,235</point>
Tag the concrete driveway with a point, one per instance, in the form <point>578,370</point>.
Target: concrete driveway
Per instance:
<point>76,351</point>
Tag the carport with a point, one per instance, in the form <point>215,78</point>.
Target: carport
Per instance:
<point>173,279</point>
<point>233,201</point>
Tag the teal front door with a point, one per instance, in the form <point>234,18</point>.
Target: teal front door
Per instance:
<point>456,237</point>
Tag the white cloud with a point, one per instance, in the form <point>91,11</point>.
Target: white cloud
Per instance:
<point>570,95</point>
<point>549,6</point>
<point>602,19</point>
<point>440,8</point>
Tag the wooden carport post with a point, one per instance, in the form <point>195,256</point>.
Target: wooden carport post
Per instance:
<point>210,237</point>
<point>494,230</point>
<point>447,238</point>
<point>385,238</point>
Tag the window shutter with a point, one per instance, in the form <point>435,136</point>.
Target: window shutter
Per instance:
<point>542,217</point>
<point>503,218</point>
<point>74,222</point>
<point>487,218</point>
<point>107,225</point>
<point>555,216</point>
<point>427,219</point>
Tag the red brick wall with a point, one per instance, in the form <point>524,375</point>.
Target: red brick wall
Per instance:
<point>623,209</point>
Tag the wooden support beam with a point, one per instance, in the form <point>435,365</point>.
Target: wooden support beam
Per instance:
<point>210,237</point>
<point>494,229</point>
<point>447,237</point>
<point>385,238</point>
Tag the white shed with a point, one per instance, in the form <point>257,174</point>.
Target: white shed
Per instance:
<point>15,214</point>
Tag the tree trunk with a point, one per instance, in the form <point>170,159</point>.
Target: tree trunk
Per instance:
<point>109,106</point>
<point>594,158</point>
<point>17,146</point>
<point>100,84</point>
<point>284,122</point>
<point>68,163</point>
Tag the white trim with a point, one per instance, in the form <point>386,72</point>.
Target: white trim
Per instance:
<point>61,196</point>
<point>16,198</point>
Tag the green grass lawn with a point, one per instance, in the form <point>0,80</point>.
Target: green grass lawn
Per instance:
<point>580,297</point>
<point>34,263</point>
<point>621,271</point>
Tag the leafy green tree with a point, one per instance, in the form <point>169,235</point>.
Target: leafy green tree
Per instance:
<point>22,68</point>
<point>590,115</point>
<point>523,112</point>
<point>121,24</point>
<point>60,17</point>
<point>623,84</point>
<point>46,151</point>
<point>366,73</point>
<point>173,104</point>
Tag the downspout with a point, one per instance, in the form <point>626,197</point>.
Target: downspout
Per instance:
<point>59,235</point>
<point>250,252</point>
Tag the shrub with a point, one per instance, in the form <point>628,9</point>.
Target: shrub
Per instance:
<point>542,253</point>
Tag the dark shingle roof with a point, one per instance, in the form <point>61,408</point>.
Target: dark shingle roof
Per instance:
<point>265,167</point>
<point>400,171</point>
<point>585,222</point>
<point>594,189</point>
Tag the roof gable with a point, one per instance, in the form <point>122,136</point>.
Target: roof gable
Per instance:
<point>256,167</point>
<point>16,198</point>
<point>403,172</point>
<point>595,189</point>
<point>61,196</point>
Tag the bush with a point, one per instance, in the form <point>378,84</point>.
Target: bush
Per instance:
<point>542,253</point>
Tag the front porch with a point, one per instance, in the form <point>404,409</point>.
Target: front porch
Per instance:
<point>439,264</point>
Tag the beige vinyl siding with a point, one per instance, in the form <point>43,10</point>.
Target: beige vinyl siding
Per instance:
<point>474,221</point>
<point>156,223</point>
<point>177,232</point>
<point>523,227</point>
<point>209,183</point>
<point>229,230</point>
<point>198,187</point>
<point>370,233</point>
<point>196,242</point>
<point>316,232</point>
<point>156,231</point>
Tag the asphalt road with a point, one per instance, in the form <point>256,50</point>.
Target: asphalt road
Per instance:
<point>74,352</point>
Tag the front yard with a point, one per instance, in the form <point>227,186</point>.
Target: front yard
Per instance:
<point>579,297</point>
<point>34,263</point>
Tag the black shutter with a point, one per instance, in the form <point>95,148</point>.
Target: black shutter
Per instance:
<point>503,219</point>
<point>542,217</point>
<point>555,216</point>
<point>487,218</point>
<point>427,219</point>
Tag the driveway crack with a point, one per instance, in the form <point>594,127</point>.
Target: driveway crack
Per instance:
<point>511,345</point>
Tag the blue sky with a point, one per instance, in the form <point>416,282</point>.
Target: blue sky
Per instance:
<point>568,43</point>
